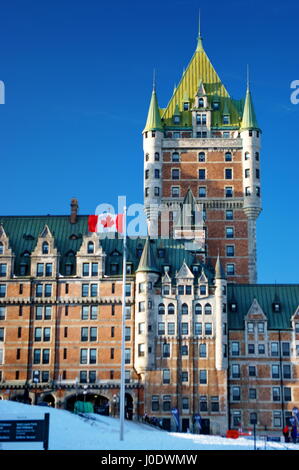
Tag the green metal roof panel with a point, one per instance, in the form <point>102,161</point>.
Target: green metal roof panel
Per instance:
<point>244,294</point>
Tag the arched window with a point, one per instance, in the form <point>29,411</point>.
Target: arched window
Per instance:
<point>90,247</point>
<point>184,309</point>
<point>157,156</point>
<point>201,102</point>
<point>208,309</point>
<point>170,309</point>
<point>45,248</point>
<point>257,156</point>
<point>201,157</point>
<point>1,248</point>
<point>247,155</point>
<point>228,157</point>
<point>161,309</point>
<point>198,309</point>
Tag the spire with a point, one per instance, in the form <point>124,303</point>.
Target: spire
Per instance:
<point>147,261</point>
<point>199,47</point>
<point>249,120</point>
<point>219,272</point>
<point>153,122</point>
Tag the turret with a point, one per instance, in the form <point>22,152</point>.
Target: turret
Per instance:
<point>221,317</point>
<point>147,275</point>
<point>152,147</point>
<point>251,137</point>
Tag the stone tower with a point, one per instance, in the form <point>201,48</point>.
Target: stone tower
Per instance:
<point>206,143</point>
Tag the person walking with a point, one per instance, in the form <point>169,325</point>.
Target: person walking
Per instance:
<point>286,433</point>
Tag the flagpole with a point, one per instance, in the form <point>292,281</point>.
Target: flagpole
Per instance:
<point>122,372</point>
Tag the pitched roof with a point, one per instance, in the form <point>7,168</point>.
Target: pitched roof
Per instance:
<point>244,294</point>
<point>249,120</point>
<point>201,71</point>
<point>153,122</point>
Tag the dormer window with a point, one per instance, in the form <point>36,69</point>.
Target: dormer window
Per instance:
<point>276,307</point>
<point>161,253</point>
<point>90,247</point>
<point>1,248</point>
<point>225,119</point>
<point>215,105</point>
<point>176,119</point>
<point>233,307</point>
<point>186,106</point>
<point>201,102</point>
<point>45,248</point>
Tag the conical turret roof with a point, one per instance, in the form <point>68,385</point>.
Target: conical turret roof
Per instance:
<point>153,122</point>
<point>147,261</point>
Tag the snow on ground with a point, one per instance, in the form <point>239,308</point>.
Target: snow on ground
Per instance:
<point>71,432</point>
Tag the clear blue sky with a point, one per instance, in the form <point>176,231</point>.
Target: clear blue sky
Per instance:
<point>78,77</point>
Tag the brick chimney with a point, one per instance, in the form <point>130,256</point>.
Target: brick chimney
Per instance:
<point>74,211</point>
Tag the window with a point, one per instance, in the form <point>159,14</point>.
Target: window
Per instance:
<point>229,232</point>
<point>285,349</point>
<point>171,328</point>
<point>157,156</point>
<point>257,173</point>
<point>155,402</point>
<point>128,290</point>
<point>247,172</point>
<point>170,309</point>
<point>203,403</point>
<point>261,349</point>
<point>156,191</point>
<point>252,371</point>
<point>141,350</point>
<point>184,350</point>
<point>141,306</point>
<point>235,371</point>
<point>201,157</point>
<point>247,155</point>
<point>94,269</point>
<point>184,310</point>
<point>228,157</point>
<point>198,309</point>
<point>185,376</point>
<point>166,376</point>
<point>275,369</point>
<point>200,102</point>
<point>1,248</point>
<point>184,328</point>
<point>228,191</point>
<point>230,250</point>
<point>166,402</point>
<point>215,404</point>
<point>161,328</point>
<point>286,371</point>
<point>252,394</point>
<point>45,248</point>
<point>90,247</point>
<point>146,192</point>
<point>277,419</point>
<point>161,309</point>
<point>203,350</point>
<point>127,356</point>
<point>274,349</point>
<point>203,377</point>
<point>287,394</point>
<point>236,395</point>
<point>175,174</point>
<point>202,191</point>
<point>2,290</point>
<point>48,269</point>
<point>127,333</point>
<point>3,270</point>
<point>251,348</point>
<point>201,174</point>
<point>203,290</point>
<point>175,191</point>
<point>175,157</point>
<point>48,290</point>
<point>166,350</point>
<point>250,327</point>
<point>228,173</point>
<point>208,309</point>
<point>93,290</point>
<point>247,191</point>
<point>225,119</point>
<point>257,156</point>
<point>208,329</point>
<point>157,173</point>
<point>2,313</point>
<point>229,214</point>
<point>261,327</point>
<point>230,269</point>
<point>37,334</point>
<point>198,328</point>
<point>276,393</point>
<point>47,334</point>
<point>235,348</point>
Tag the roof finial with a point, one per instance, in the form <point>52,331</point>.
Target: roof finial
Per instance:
<point>154,79</point>
<point>199,38</point>
<point>247,76</point>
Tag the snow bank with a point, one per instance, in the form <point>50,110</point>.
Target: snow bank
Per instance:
<point>72,432</point>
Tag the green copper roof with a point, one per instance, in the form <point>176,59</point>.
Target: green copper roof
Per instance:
<point>219,271</point>
<point>147,261</point>
<point>249,120</point>
<point>153,122</point>
<point>266,295</point>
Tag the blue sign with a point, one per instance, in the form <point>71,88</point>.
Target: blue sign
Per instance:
<point>176,415</point>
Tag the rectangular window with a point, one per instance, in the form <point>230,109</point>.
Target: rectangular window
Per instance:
<point>48,269</point>
<point>230,269</point>
<point>92,356</point>
<point>208,329</point>
<point>161,328</point>
<point>230,250</point>
<point>228,173</point>
<point>166,376</point>
<point>184,328</point>
<point>166,402</point>
<point>93,333</point>
<point>46,356</point>
<point>85,269</point>
<point>166,350</point>
<point>127,333</point>
<point>93,290</point>
<point>48,290</point>
<point>285,349</point>
<point>198,328</point>
<point>38,312</point>
<point>36,356</point>
<point>228,191</point>
<point>40,269</point>
<point>48,312</point>
<point>274,349</point>
<point>175,191</point>
<point>127,356</point>
<point>236,395</point>
<point>275,371</point>
<point>128,290</point>
<point>202,376</point>
<point>47,334</point>
<point>235,371</point>
<point>203,403</point>
<point>185,376</point>
<point>175,174</point>
<point>38,290</point>
<point>215,404</point>
<point>171,328</point>
<point>37,334</point>
<point>202,191</point>
<point>85,290</point>
<point>235,348</point>
<point>93,312</point>
<point>141,350</point>
<point>155,403</point>
<point>276,393</point>
<point>286,371</point>
<point>201,174</point>
<point>287,394</point>
<point>229,214</point>
<point>2,313</point>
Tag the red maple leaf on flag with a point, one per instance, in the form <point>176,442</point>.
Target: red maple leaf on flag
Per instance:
<point>107,222</point>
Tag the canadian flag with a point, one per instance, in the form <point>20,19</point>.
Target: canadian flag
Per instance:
<point>105,223</point>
